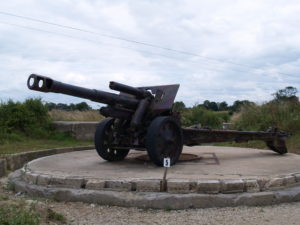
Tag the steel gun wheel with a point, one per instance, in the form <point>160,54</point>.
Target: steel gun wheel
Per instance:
<point>164,139</point>
<point>104,138</point>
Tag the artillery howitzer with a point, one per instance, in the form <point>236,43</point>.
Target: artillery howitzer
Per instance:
<point>142,119</point>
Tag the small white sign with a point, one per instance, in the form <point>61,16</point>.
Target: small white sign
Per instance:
<point>167,162</point>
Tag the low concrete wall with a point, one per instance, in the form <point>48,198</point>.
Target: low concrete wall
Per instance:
<point>153,200</point>
<point>80,130</point>
<point>2,167</point>
<point>16,161</point>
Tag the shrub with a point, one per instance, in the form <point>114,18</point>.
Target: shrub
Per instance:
<point>30,118</point>
<point>199,115</point>
<point>283,114</point>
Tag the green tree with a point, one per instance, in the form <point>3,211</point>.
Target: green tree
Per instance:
<point>82,106</point>
<point>222,106</point>
<point>178,106</point>
<point>237,105</point>
<point>286,94</point>
<point>200,115</point>
<point>30,117</point>
<point>50,106</point>
<point>210,105</point>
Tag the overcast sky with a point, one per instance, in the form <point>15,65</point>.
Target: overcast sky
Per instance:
<point>230,50</point>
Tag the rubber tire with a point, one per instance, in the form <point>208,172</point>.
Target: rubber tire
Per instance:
<point>153,137</point>
<point>102,150</point>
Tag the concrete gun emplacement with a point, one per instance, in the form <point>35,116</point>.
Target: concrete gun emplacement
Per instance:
<point>143,119</point>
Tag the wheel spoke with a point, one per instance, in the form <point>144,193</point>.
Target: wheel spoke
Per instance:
<point>104,139</point>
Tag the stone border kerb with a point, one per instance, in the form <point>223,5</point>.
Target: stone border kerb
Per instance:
<point>155,200</point>
<point>16,161</point>
<point>183,186</point>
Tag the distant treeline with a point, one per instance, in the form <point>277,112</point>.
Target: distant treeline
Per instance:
<point>286,94</point>
<point>178,106</point>
<point>282,111</point>
<point>216,106</point>
<point>82,106</point>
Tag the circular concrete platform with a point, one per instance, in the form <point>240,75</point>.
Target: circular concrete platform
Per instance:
<point>218,170</point>
<point>225,175</point>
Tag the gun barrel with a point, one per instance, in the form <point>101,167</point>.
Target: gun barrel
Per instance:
<point>46,84</point>
<point>129,90</point>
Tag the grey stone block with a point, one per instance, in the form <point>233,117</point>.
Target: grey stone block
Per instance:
<point>193,186</point>
<point>43,179</point>
<point>13,161</point>
<point>275,183</point>
<point>147,185</point>
<point>232,186</point>
<point>178,186</point>
<point>95,184</point>
<point>80,130</point>
<point>118,185</point>
<point>31,178</point>
<point>297,177</point>
<point>289,180</point>
<point>67,182</point>
<point>255,199</point>
<point>251,185</point>
<point>262,182</point>
<point>208,186</point>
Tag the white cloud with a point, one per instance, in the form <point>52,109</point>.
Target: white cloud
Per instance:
<point>260,38</point>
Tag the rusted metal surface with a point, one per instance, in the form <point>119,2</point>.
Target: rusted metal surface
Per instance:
<point>142,118</point>
<point>274,138</point>
<point>164,97</point>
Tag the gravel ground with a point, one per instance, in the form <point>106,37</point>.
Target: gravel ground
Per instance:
<point>81,213</point>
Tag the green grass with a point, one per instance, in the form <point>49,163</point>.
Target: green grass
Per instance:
<point>3,198</point>
<point>55,216</point>
<point>31,144</point>
<point>18,212</point>
<point>18,215</point>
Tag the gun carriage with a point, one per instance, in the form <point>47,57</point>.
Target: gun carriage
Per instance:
<point>143,119</point>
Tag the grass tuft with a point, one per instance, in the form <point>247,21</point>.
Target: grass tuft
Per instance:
<point>18,215</point>
<point>55,216</point>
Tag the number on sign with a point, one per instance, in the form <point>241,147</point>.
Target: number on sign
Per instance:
<point>167,162</point>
